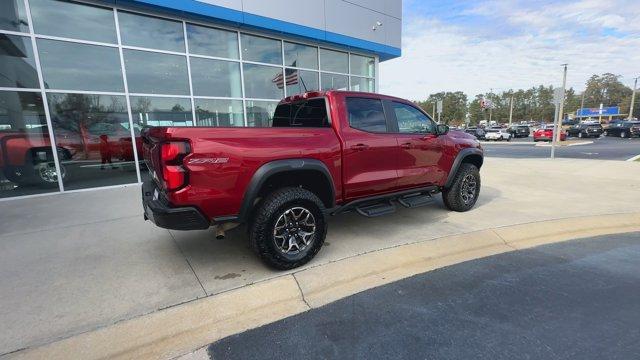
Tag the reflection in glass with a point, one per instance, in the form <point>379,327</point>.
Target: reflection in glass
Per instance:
<point>362,65</point>
<point>298,55</point>
<point>161,111</point>
<point>260,49</point>
<point>335,61</point>
<point>26,158</point>
<point>17,65</point>
<point>155,73</point>
<point>72,66</point>
<point>13,16</point>
<point>300,81</point>
<point>150,32</point>
<point>263,82</point>
<point>212,42</point>
<point>73,20</point>
<point>260,113</point>
<point>215,78</point>
<point>334,82</point>
<point>94,134</point>
<point>219,112</point>
<point>362,84</point>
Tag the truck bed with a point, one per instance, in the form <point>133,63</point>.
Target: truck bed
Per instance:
<point>223,160</point>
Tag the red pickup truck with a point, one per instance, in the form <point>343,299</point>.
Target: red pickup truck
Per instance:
<point>324,153</point>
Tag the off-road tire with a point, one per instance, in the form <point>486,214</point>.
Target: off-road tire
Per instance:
<point>452,196</point>
<point>265,217</point>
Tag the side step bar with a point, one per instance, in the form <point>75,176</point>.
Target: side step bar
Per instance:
<point>382,204</point>
<point>412,201</point>
<point>383,208</point>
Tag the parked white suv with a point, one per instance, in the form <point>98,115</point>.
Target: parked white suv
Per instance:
<point>497,135</point>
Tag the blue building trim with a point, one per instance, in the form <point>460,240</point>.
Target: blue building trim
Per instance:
<point>204,11</point>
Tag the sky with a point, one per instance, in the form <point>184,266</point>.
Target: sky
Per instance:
<point>476,46</point>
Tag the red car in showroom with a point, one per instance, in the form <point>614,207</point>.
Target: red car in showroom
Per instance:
<point>546,133</point>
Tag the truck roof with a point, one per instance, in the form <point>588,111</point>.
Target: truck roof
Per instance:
<point>314,94</point>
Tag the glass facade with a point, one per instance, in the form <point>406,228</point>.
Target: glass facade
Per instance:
<point>79,82</point>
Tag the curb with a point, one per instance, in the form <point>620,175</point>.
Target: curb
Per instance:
<point>178,330</point>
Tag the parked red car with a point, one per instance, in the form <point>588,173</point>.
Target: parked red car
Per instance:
<point>546,132</point>
<point>324,153</point>
<point>26,157</point>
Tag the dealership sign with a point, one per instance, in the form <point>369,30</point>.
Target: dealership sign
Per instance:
<point>603,111</point>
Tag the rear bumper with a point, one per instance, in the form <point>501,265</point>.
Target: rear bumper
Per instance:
<point>160,212</point>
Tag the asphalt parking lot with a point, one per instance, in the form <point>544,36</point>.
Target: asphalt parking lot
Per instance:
<point>603,148</point>
<point>577,299</point>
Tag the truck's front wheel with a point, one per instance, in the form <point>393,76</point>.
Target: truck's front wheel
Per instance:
<point>463,193</point>
<point>289,228</point>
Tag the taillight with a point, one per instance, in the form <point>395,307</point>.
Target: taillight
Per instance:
<point>174,175</point>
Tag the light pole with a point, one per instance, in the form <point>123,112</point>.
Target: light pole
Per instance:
<point>582,101</point>
<point>633,98</point>
<point>561,110</point>
<point>511,110</point>
<point>558,98</point>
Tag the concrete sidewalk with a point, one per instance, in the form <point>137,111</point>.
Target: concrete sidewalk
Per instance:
<point>71,263</point>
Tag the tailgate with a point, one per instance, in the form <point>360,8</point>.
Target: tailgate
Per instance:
<point>151,140</point>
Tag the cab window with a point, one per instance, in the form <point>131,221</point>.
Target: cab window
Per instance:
<point>412,120</point>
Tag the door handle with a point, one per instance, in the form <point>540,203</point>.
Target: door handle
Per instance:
<point>359,147</point>
<point>406,145</point>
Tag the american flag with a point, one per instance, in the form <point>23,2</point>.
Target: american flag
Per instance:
<point>290,77</point>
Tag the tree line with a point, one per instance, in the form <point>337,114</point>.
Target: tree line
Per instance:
<point>534,104</point>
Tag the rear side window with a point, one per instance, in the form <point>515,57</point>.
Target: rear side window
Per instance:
<point>309,113</point>
<point>366,114</point>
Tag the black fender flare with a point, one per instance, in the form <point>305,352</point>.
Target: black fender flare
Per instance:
<point>458,161</point>
<point>276,167</point>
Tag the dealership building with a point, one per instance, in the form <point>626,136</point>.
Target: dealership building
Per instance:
<point>79,80</point>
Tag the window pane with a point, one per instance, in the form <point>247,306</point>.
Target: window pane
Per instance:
<point>366,114</point>
<point>362,84</point>
<point>300,81</point>
<point>263,82</point>
<point>335,61</point>
<point>17,65</point>
<point>297,55</point>
<point>215,78</point>
<point>93,131</point>
<point>212,42</point>
<point>27,165</point>
<point>155,73</point>
<point>259,49</point>
<point>161,111</point>
<point>412,120</point>
<point>334,81</point>
<point>215,112</point>
<point>362,65</point>
<point>73,20</point>
<point>150,32</point>
<point>13,16</point>
<point>75,66</point>
<point>311,113</point>
<point>260,113</point>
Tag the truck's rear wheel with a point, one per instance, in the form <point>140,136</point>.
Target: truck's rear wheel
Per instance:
<point>463,193</point>
<point>289,228</point>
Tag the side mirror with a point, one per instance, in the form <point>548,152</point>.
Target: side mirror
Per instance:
<point>442,129</point>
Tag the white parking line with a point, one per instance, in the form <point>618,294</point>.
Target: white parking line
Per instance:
<point>569,144</point>
<point>637,157</point>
